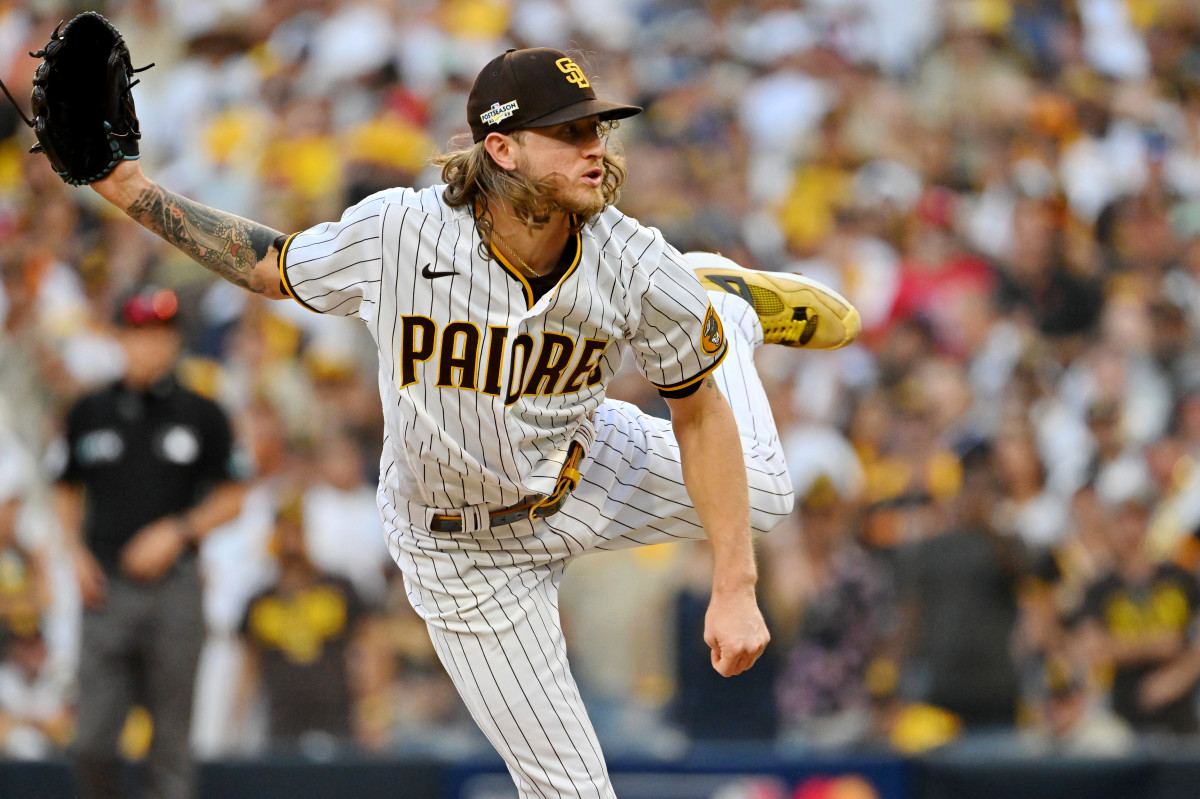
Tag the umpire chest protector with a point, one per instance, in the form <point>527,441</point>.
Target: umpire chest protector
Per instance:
<point>142,456</point>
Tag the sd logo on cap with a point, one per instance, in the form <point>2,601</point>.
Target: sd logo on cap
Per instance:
<point>534,88</point>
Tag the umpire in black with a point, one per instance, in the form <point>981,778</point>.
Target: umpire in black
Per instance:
<point>148,472</point>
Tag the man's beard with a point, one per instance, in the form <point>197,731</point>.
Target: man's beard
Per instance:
<point>584,206</point>
<point>554,195</point>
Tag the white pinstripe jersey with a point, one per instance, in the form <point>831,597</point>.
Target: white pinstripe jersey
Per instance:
<point>484,388</point>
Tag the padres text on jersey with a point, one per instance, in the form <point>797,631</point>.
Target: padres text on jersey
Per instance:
<point>483,387</point>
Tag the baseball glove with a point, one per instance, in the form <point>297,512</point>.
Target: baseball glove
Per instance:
<point>83,114</point>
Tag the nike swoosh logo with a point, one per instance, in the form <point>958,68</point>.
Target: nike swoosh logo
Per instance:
<point>429,274</point>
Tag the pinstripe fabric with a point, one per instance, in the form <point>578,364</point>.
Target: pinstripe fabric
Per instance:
<point>451,445</point>
<point>483,391</point>
<point>490,599</point>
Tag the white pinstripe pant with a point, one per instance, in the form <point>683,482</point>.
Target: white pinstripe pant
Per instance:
<point>490,599</point>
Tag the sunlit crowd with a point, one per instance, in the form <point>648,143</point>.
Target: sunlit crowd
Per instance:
<point>997,532</point>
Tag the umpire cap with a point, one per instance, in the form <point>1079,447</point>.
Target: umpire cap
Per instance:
<point>534,88</point>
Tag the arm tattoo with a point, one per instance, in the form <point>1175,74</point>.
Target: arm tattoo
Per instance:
<point>223,243</point>
<point>710,382</point>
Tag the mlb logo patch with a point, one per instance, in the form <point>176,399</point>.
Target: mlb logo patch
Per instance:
<point>498,113</point>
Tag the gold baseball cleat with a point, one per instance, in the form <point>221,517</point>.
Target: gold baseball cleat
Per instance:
<point>795,311</point>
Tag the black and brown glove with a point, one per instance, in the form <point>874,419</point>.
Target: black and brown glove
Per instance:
<point>83,114</point>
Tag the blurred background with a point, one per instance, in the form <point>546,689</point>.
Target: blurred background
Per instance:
<point>995,546</point>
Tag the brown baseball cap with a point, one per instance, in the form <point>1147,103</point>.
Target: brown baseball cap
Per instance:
<point>534,88</point>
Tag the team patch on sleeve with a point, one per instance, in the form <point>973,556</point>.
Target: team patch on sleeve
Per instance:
<point>712,336</point>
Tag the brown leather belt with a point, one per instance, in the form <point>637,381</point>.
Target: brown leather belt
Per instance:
<point>530,508</point>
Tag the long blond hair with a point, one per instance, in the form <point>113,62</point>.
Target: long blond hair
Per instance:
<point>473,178</point>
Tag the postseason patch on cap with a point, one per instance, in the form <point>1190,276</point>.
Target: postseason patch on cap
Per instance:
<point>498,113</point>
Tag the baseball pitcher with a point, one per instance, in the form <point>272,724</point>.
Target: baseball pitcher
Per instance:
<point>502,303</point>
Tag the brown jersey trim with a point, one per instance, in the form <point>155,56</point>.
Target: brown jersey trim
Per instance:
<point>283,281</point>
<point>512,270</point>
<point>531,296</point>
<point>669,390</point>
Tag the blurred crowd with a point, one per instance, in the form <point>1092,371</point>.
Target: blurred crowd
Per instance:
<point>997,531</point>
